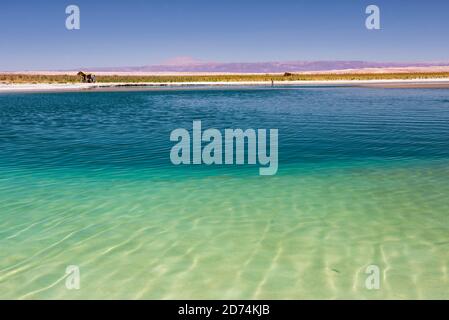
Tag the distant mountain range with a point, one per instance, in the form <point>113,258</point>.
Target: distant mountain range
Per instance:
<point>186,65</point>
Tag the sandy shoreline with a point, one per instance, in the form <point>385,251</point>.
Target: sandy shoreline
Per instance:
<point>57,87</point>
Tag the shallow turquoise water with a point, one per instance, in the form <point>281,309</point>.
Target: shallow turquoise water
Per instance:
<point>86,180</point>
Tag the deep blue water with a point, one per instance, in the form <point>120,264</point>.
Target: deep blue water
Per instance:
<point>131,129</point>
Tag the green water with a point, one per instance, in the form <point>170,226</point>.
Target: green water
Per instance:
<point>85,180</point>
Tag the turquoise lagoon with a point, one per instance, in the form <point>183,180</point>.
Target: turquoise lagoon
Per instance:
<point>363,179</point>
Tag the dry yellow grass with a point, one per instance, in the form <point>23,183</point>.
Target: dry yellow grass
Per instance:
<point>36,78</point>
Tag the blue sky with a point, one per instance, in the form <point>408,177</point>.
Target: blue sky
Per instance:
<point>142,32</point>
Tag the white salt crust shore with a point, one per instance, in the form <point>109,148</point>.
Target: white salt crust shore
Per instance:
<point>116,86</point>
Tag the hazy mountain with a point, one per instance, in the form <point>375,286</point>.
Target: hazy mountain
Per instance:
<point>186,64</point>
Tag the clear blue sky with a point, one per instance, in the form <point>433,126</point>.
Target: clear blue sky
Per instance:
<point>143,32</point>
